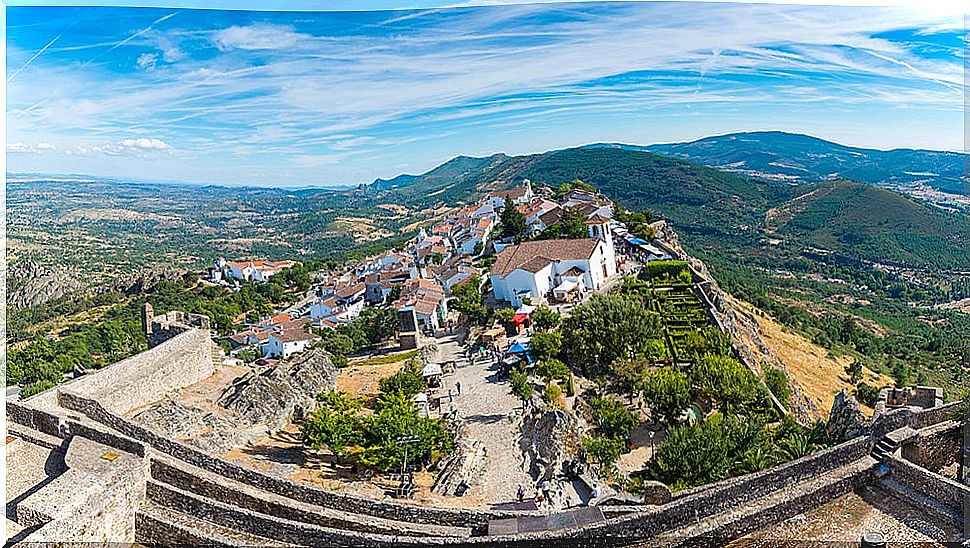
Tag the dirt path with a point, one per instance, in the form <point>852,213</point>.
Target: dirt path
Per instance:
<point>491,412</point>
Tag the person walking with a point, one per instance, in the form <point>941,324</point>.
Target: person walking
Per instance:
<point>458,387</point>
<point>520,493</point>
<point>546,488</point>
<point>594,495</point>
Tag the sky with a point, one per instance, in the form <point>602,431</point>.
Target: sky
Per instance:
<point>337,98</point>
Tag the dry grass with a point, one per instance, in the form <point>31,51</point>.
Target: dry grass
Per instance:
<point>362,380</point>
<point>820,376</point>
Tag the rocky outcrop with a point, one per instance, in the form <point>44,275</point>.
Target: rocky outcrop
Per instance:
<point>216,433</point>
<point>846,419</point>
<point>465,468</point>
<point>655,492</point>
<point>31,284</point>
<point>283,393</point>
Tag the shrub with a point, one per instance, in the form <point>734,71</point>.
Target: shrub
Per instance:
<point>604,450</point>
<point>520,384</point>
<point>866,394</point>
<point>778,384</point>
<point>408,381</point>
<point>36,388</point>
<point>552,395</point>
<point>612,417</point>
<point>552,368</point>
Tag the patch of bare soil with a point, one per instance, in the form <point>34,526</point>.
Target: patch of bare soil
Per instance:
<point>362,380</point>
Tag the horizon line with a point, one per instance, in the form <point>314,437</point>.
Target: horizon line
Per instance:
<point>90,178</point>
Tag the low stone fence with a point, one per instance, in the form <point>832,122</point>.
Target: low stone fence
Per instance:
<point>53,425</point>
<point>213,487</point>
<point>474,519</point>
<point>935,447</point>
<point>939,488</point>
<point>705,501</point>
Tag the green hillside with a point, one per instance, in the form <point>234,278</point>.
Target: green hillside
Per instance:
<point>694,198</point>
<point>870,223</point>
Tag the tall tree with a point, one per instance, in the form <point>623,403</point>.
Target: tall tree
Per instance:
<point>511,221</point>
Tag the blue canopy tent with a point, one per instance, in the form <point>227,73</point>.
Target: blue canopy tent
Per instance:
<point>637,241</point>
<point>522,350</point>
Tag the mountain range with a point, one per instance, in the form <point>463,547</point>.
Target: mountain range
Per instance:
<point>801,158</point>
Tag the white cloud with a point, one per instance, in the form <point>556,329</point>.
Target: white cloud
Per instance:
<point>30,148</point>
<point>147,61</point>
<point>257,36</point>
<point>139,147</point>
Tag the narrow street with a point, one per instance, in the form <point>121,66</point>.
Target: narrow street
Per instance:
<point>491,413</point>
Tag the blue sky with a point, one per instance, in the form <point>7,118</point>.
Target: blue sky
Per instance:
<point>333,98</point>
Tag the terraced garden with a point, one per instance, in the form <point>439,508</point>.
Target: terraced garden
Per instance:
<point>673,297</point>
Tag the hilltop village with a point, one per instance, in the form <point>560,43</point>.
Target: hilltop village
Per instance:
<point>471,246</point>
<point>536,366</point>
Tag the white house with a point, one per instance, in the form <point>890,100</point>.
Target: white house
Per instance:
<point>284,344</point>
<point>534,269</point>
<point>519,195</point>
<point>257,271</point>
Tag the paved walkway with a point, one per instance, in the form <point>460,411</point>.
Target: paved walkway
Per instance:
<point>487,404</point>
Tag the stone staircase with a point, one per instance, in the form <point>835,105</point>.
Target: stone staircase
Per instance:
<point>883,448</point>
<point>891,442</point>
<point>185,505</point>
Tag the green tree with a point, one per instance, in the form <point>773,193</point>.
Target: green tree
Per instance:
<point>546,345</point>
<point>511,221</point>
<point>724,382</point>
<point>551,368</point>
<point>612,417</point>
<point>544,318</point>
<point>607,328</point>
<point>603,449</point>
<point>667,390</point>
<point>854,370</point>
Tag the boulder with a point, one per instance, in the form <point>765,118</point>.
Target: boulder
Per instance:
<point>655,492</point>
<point>283,393</point>
<point>846,419</point>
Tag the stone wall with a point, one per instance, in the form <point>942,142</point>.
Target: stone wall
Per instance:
<point>66,429</point>
<point>705,501</point>
<point>396,511</point>
<point>94,501</point>
<point>935,447</point>
<point>218,489</point>
<point>941,489</point>
<point>145,378</point>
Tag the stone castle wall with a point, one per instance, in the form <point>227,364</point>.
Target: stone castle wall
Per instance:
<point>135,382</point>
<point>936,447</point>
<point>921,480</point>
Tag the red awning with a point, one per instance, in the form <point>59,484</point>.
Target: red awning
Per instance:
<point>518,319</point>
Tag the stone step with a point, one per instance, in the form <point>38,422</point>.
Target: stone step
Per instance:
<point>259,524</point>
<point>157,525</point>
<point>239,494</point>
<point>742,520</point>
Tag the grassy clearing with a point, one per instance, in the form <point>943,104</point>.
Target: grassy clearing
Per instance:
<point>385,359</point>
